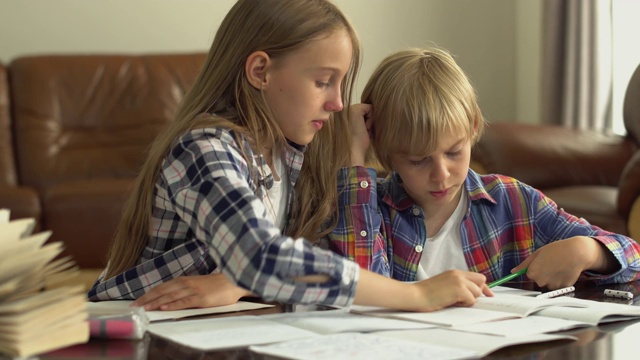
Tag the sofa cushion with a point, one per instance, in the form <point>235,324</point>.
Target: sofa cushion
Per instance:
<point>84,215</point>
<point>543,157</point>
<point>91,117</point>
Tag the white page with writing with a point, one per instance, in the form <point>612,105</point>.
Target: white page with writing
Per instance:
<point>480,343</point>
<point>451,316</point>
<point>526,326</point>
<point>355,346</point>
<point>227,332</point>
<point>505,290</point>
<point>522,305</point>
<point>336,321</point>
<point>594,312</point>
<point>159,315</point>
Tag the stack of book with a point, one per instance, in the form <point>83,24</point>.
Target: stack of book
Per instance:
<point>37,314</point>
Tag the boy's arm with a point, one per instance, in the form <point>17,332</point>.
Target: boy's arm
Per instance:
<point>619,256</point>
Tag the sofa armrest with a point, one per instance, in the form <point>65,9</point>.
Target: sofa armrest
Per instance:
<point>633,223</point>
<point>548,156</point>
<point>629,187</point>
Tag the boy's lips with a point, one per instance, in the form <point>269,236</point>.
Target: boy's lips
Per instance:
<point>440,193</point>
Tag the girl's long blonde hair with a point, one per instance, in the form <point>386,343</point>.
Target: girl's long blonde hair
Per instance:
<point>222,96</point>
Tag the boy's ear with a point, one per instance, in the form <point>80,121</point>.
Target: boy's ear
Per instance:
<point>256,68</point>
<point>475,129</point>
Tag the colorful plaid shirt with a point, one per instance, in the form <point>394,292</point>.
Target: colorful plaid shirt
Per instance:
<point>506,221</point>
<point>209,213</point>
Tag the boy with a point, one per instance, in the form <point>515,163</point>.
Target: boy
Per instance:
<point>432,213</point>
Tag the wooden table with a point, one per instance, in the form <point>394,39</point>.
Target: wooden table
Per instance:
<point>619,341</point>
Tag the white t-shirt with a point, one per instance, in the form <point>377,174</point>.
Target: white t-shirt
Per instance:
<point>444,250</point>
<point>276,203</point>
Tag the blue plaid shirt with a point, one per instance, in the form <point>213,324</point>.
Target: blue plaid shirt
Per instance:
<point>209,210</point>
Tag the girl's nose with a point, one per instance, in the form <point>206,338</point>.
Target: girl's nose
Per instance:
<point>335,104</point>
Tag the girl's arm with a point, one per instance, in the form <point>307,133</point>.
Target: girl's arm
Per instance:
<point>453,287</point>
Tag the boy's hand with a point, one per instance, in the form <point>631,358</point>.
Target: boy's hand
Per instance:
<point>198,291</point>
<point>360,121</point>
<point>560,263</point>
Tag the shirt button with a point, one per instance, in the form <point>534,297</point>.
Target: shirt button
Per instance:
<point>418,248</point>
<point>364,184</point>
<point>363,233</point>
<point>416,211</point>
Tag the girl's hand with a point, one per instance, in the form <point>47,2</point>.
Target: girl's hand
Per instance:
<point>451,288</point>
<point>360,121</point>
<point>560,263</point>
<point>197,291</point>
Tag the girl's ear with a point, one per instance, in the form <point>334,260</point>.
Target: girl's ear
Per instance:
<point>256,69</point>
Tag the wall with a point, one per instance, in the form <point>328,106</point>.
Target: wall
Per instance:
<point>495,41</point>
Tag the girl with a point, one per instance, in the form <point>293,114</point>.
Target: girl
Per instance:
<point>432,213</point>
<point>214,192</point>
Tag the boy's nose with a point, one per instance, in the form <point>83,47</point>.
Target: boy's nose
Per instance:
<point>440,171</point>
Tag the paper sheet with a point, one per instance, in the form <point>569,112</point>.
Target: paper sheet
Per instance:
<point>356,346</point>
<point>227,332</point>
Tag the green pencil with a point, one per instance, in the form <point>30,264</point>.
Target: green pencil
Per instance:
<point>507,278</point>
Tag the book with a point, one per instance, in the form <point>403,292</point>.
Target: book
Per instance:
<point>36,315</point>
<point>505,307</point>
<point>485,309</point>
<point>161,315</point>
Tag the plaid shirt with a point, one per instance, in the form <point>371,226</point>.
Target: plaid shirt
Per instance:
<point>209,210</point>
<point>506,221</point>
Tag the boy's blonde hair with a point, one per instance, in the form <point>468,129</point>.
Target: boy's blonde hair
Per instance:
<point>222,96</point>
<point>418,95</point>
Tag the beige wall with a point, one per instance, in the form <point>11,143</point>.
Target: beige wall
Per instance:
<point>495,41</point>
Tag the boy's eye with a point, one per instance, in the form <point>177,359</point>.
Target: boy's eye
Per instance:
<point>455,153</point>
<point>417,162</point>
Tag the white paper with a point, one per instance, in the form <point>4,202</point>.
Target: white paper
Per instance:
<point>451,316</point>
<point>522,305</point>
<point>594,312</point>
<point>356,346</point>
<point>336,321</point>
<point>479,343</point>
<point>227,332</point>
<point>485,309</point>
<point>504,290</point>
<point>529,325</point>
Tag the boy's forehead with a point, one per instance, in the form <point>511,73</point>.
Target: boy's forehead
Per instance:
<point>426,147</point>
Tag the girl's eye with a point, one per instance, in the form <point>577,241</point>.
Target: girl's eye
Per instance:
<point>322,84</point>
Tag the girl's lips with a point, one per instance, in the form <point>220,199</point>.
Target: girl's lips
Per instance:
<point>317,124</point>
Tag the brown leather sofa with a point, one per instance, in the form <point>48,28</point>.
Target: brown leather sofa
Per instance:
<point>73,133</point>
<point>589,174</point>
